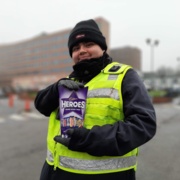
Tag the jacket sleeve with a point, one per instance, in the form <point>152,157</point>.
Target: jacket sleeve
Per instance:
<point>47,100</point>
<point>139,124</point>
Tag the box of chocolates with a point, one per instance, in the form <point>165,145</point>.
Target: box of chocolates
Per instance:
<point>72,106</point>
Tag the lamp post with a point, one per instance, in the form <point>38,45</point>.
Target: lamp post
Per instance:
<point>178,74</point>
<point>152,44</point>
<point>178,60</point>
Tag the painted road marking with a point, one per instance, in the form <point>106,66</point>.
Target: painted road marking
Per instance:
<point>2,120</point>
<point>17,117</point>
<point>33,115</point>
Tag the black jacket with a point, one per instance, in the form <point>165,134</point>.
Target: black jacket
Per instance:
<point>139,124</point>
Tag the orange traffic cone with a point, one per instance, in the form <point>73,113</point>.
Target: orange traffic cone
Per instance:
<point>27,105</point>
<point>11,100</point>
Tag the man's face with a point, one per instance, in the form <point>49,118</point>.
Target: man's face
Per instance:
<point>86,50</point>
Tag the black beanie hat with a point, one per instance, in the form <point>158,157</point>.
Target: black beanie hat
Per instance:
<point>86,31</point>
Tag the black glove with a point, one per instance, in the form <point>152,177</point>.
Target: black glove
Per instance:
<point>64,141</point>
<point>70,84</point>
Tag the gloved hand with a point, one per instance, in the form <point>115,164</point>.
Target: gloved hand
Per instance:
<point>70,84</point>
<point>64,141</point>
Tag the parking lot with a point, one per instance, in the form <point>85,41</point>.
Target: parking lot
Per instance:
<point>23,144</point>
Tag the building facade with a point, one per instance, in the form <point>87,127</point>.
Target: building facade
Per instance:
<point>155,81</point>
<point>127,55</point>
<point>40,61</point>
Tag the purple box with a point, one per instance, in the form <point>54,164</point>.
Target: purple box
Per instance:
<point>72,108</point>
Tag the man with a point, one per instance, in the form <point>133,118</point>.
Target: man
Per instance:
<point>119,114</point>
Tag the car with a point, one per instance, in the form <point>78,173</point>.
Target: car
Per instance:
<point>2,94</point>
<point>173,92</point>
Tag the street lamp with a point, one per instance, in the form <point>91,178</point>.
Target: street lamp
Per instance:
<point>178,59</point>
<point>178,88</point>
<point>152,44</point>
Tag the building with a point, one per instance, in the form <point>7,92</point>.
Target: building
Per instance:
<point>39,61</point>
<point>29,63</point>
<point>127,55</point>
<point>156,81</point>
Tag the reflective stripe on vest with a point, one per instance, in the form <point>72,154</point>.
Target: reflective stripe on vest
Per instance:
<point>95,165</point>
<point>50,156</point>
<point>104,92</point>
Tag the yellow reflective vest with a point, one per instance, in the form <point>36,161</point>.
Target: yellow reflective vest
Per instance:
<point>104,105</point>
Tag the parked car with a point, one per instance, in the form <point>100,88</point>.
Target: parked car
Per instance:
<point>2,94</point>
<point>173,92</point>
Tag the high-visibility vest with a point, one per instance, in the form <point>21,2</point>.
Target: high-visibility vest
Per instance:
<point>104,105</point>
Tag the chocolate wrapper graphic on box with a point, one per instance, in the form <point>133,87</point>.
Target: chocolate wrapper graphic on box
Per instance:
<point>72,108</point>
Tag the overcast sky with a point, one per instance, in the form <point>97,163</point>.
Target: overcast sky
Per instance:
<point>131,21</point>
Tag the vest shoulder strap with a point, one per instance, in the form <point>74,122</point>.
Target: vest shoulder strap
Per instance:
<point>115,68</point>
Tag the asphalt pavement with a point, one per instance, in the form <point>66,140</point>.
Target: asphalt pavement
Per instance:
<point>159,158</point>
<point>23,144</point>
